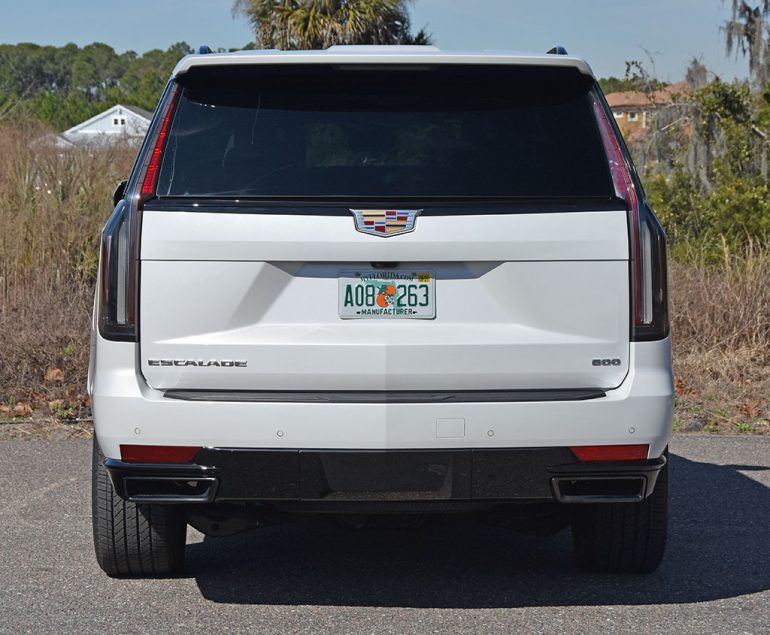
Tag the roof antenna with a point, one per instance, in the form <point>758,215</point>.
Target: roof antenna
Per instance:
<point>557,50</point>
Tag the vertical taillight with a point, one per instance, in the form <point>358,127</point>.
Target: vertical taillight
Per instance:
<point>115,321</point>
<point>152,167</point>
<point>119,260</point>
<point>647,245</point>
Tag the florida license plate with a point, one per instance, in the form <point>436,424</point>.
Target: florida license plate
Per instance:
<point>387,294</point>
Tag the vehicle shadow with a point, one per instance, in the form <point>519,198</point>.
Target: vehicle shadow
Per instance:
<point>719,547</point>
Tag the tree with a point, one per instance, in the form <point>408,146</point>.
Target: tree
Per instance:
<point>318,24</point>
<point>747,30</point>
<point>63,86</point>
<point>637,78</point>
<point>146,76</point>
<point>705,165</point>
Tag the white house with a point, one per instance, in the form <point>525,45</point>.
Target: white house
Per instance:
<point>121,124</point>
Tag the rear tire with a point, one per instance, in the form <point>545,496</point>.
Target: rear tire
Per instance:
<point>132,539</point>
<point>623,537</point>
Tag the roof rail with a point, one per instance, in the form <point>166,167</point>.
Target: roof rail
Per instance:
<point>204,50</point>
<point>557,50</point>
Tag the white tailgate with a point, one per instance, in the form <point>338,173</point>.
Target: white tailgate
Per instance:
<point>523,301</point>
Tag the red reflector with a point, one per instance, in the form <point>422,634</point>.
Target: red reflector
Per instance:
<point>158,453</point>
<point>611,452</point>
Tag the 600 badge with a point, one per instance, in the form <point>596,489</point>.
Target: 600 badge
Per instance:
<point>606,362</point>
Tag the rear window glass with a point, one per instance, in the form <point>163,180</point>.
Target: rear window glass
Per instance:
<point>446,131</point>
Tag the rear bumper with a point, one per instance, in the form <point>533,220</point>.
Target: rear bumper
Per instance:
<point>340,480</point>
<point>127,411</point>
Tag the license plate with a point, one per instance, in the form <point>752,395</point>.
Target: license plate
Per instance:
<point>387,294</point>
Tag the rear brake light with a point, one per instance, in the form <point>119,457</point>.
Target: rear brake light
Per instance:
<point>119,266</point>
<point>611,452</point>
<point>649,301</point>
<point>626,190</point>
<point>158,453</point>
<point>150,180</point>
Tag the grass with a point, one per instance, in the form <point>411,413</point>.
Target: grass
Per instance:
<point>721,329</point>
<point>53,205</point>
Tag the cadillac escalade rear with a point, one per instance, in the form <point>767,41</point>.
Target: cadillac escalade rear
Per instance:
<point>382,280</point>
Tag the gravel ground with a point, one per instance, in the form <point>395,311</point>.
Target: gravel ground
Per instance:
<point>450,576</point>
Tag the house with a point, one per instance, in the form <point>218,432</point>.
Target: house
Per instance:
<point>123,124</point>
<point>633,109</point>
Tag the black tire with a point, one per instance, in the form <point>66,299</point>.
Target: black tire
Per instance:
<point>623,537</point>
<point>131,539</point>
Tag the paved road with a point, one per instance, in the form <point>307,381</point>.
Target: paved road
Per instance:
<point>447,577</point>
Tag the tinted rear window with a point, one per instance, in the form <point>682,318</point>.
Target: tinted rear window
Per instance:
<point>447,131</point>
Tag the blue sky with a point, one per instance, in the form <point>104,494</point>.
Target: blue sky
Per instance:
<point>605,32</point>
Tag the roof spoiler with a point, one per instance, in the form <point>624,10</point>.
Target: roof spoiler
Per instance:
<point>557,50</point>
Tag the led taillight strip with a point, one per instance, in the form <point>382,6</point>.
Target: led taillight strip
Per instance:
<point>150,181</point>
<point>146,192</point>
<point>624,189</point>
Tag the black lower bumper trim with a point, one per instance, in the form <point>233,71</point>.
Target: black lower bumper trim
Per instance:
<point>377,478</point>
<point>386,396</point>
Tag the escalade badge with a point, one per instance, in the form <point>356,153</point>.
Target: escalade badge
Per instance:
<point>385,222</point>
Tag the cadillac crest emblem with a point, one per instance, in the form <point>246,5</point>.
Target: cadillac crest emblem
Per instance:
<point>385,222</point>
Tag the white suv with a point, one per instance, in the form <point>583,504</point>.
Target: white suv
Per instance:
<point>381,280</point>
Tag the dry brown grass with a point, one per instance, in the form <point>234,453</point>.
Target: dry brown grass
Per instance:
<point>52,206</point>
<point>721,326</point>
<point>723,307</point>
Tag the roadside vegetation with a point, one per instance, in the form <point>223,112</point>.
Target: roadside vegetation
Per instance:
<point>52,207</point>
<point>705,166</point>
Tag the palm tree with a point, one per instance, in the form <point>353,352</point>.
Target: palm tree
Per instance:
<point>317,24</point>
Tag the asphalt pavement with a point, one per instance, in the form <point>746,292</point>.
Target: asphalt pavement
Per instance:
<point>453,575</point>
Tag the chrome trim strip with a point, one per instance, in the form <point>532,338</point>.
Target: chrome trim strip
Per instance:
<point>386,396</point>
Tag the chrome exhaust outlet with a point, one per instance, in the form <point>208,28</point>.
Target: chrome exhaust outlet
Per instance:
<point>600,489</point>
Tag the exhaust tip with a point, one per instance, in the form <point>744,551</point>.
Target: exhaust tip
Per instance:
<point>599,489</point>
<point>169,489</point>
